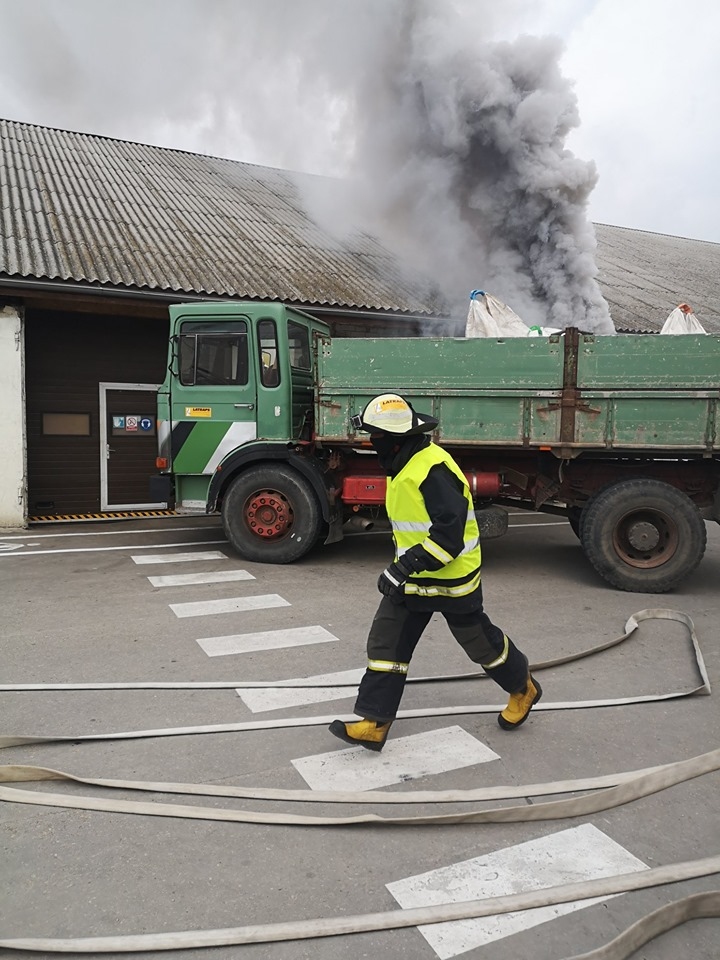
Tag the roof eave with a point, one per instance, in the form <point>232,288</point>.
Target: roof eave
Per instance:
<point>43,285</point>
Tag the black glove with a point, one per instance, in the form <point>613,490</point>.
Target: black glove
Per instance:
<point>391,580</point>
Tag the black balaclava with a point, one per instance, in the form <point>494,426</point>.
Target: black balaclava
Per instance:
<point>386,446</point>
<point>395,451</point>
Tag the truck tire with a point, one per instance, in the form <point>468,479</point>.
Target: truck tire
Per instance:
<point>643,535</point>
<point>271,514</point>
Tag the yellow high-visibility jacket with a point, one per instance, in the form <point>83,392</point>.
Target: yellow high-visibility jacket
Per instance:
<point>411,525</point>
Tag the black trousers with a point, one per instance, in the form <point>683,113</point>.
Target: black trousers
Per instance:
<point>395,633</point>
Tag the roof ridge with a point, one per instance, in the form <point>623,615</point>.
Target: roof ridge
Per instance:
<point>655,233</point>
<point>150,146</point>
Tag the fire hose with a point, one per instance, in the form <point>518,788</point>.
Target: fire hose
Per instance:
<point>612,790</point>
<point>245,726</point>
<point>633,622</point>
<point>628,787</point>
<point>690,908</point>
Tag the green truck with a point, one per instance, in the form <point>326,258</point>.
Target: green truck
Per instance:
<point>620,434</point>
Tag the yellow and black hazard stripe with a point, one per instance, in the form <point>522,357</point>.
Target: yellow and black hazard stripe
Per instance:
<point>114,515</point>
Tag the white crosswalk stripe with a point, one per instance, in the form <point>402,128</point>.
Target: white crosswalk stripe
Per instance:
<point>189,579</point>
<point>580,853</point>
<point>178,557</point>
<point>402,759</point>
<point>265,640</point>
<point>204,608</point>
<point>261,700</point>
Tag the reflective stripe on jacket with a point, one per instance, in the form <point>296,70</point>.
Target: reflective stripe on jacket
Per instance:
<point>411,524</point>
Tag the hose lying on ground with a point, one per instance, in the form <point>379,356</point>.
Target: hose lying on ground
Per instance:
<point>696,907</point>
<point>626,790</point>
<point>707,906</point>
<point>655,613</point>
<point>247,725</point>
<point>612,791</point>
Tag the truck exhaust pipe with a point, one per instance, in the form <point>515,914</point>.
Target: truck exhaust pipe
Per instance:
<point>358,523</point>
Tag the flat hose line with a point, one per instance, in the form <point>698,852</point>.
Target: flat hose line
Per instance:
<point>657,613</point>
<point>630,627</point>
<point>628,787</point>
<point>613,791</point>
<point>701,905</point>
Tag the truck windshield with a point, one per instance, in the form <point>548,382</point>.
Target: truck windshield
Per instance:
<point>213,353</point>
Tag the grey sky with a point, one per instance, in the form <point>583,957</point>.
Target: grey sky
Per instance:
<point>399,94</point>
<point>180,73</point>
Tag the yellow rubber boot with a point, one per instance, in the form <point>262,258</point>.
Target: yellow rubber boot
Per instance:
<point>364,733</point>
<point>520,705</point>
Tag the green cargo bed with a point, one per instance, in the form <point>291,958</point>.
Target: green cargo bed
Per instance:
<point>643,393</point>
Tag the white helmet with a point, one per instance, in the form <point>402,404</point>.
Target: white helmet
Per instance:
<point>390,413</point>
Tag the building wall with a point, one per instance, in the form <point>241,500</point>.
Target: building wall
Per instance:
<point>68,356</point>
<point>12,418</point>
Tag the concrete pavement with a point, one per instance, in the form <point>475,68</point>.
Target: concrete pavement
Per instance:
<point>77,606</point>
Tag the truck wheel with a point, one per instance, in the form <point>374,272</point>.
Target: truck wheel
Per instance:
<point>271,515</point>
<point>643,535</point>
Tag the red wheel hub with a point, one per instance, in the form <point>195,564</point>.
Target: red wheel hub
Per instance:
<point>268,514</point>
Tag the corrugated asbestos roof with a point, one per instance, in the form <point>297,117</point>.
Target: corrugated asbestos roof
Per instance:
<point>93,209</point>
<point>645,275</point>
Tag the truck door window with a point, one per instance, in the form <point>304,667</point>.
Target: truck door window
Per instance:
<point>213,353</point>
<point>267,345</point>
<point>299,346</point>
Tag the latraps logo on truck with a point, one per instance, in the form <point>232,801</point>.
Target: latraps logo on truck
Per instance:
<point>198,411</point>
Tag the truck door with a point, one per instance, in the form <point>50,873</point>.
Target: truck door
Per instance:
<point>213,398</point>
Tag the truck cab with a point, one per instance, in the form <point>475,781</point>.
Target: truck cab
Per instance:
<point>239,388</point>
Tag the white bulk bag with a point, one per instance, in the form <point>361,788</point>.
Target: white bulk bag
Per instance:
<point>490,317</point>
<point>682,320</point>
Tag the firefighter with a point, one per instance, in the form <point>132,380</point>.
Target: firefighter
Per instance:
<point>436,569</point>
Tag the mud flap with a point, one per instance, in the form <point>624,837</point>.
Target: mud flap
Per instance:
<point>335,528</point>
<point>492,522</point>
